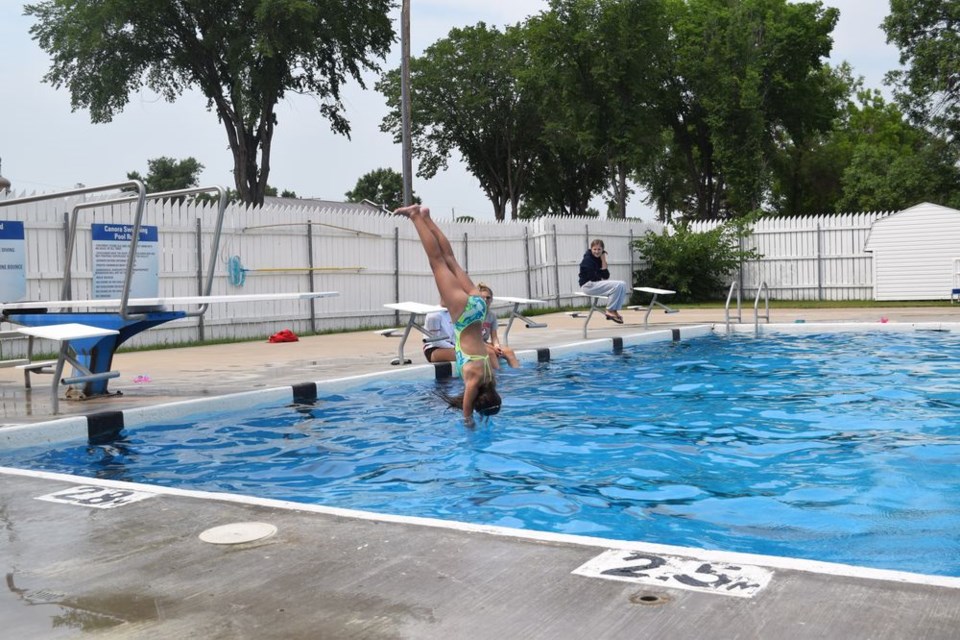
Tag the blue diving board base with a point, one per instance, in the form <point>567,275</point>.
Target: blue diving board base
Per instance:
<point>96,354</point>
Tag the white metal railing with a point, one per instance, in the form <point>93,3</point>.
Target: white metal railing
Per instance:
<point>762,289</point>
<point>734,286</point>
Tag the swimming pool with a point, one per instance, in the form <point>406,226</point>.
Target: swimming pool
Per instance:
<point>839,447</point>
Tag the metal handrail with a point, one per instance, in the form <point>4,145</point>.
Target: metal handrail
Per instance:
<point>756,305</point>
<point>140,197</point>
<point>734,286</point>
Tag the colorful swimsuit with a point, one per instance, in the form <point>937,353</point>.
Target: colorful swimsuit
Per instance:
<point>474,311</point>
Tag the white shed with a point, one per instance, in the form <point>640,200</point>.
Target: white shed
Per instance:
<point>913,253</point>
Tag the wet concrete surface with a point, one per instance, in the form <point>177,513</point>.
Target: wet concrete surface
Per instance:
<point>140,570</point>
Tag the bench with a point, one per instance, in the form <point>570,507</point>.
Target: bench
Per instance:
<point>415,309</point>
<point>69,336</point>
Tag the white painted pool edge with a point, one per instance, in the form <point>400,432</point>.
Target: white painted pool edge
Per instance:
<point>706,555</point>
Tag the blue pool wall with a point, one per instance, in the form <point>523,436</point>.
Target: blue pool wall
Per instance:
<point>107,424</point>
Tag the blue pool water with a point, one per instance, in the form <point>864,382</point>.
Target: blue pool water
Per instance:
<point>835,447</point>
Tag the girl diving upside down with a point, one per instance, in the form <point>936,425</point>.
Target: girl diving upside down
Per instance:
<point>466,306</point>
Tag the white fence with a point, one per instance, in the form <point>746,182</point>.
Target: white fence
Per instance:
<point>809,258</point>
<point>373,258</point>
<point>369,258</point>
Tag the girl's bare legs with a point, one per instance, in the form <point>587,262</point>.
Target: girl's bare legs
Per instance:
<point>465,282</point>
<point>452,293</point>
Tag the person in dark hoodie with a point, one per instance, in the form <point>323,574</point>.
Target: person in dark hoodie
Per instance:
<point>595,281</point>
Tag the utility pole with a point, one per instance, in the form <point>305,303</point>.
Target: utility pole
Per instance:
<point>405,102</point>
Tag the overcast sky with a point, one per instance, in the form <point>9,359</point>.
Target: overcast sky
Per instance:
<point>44,147</point>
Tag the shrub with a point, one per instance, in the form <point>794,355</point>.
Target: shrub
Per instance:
<point>697,265</point>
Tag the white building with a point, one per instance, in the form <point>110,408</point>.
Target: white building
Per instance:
<point>914,252</point>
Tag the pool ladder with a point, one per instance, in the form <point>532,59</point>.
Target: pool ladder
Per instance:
<point>763,289</point>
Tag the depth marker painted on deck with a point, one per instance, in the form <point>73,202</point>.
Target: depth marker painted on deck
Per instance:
<point>742,581</point>
<point>96,497</point>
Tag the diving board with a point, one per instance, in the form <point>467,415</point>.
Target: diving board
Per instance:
<point>515,314</point>
<point>73,339</point>
<point>415,309</point>
<point>173,301</point>
<point>97,356</point>
<point>653,302</point>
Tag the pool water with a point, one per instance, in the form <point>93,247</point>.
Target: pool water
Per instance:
<point>834,447</point>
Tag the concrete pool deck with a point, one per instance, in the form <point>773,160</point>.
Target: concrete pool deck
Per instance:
<point>140,571</point>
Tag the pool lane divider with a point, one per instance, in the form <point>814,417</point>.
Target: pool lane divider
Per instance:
<point>101,427</point>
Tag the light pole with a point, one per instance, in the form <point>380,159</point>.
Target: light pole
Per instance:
<point>405,102</point>
<point>4,184</point>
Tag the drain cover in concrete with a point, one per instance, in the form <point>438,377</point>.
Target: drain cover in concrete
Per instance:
<point>238,533</point>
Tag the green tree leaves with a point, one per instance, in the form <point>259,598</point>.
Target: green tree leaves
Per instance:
<point>926,32</point>
<point>380,186</point>
<point>167,174</point>
<point>243,55</point>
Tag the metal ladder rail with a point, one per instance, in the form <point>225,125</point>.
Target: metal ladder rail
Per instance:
<point>734,286</point>
<point>756,307</point>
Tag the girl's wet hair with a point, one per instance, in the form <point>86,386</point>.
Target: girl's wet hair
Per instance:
<point>487,402</point>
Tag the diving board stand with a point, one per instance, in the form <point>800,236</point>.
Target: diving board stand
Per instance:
<point>595,302</point>
<point>415,309</point>
<point>653,302</point>
<point>97,355</point>
<point>516,315</point>
<point>74,340</point>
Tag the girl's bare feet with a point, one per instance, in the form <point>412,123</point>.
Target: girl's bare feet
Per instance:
<point>407,211</point>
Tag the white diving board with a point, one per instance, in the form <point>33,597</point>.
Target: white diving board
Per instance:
<point>64,334</point>
<point>515,313</point>
<point>415,309</point>
<point>597,300</point>
<point>653,301</point>
<point>115,303</point>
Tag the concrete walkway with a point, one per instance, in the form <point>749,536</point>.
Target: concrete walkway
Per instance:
<point>140,570</point>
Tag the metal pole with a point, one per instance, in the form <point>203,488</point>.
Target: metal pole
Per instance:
<point>556,264</point>
<point>396,272</point>
<point>405,102</point>
<point>526,259</point>
<point>310,277</point>
<point>819,264</point>
<point>200,329</point>
<point>466,253</point>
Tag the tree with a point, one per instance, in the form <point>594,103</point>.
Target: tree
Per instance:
<point>895,164</point>
<point>745,75</point>
<point>167,174</point>
<point>873,159</point>
<point>243,55</point>
<point>926,31</point>
<point>598,71</point>
<point>465,97</point>
<point>381,186</point>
